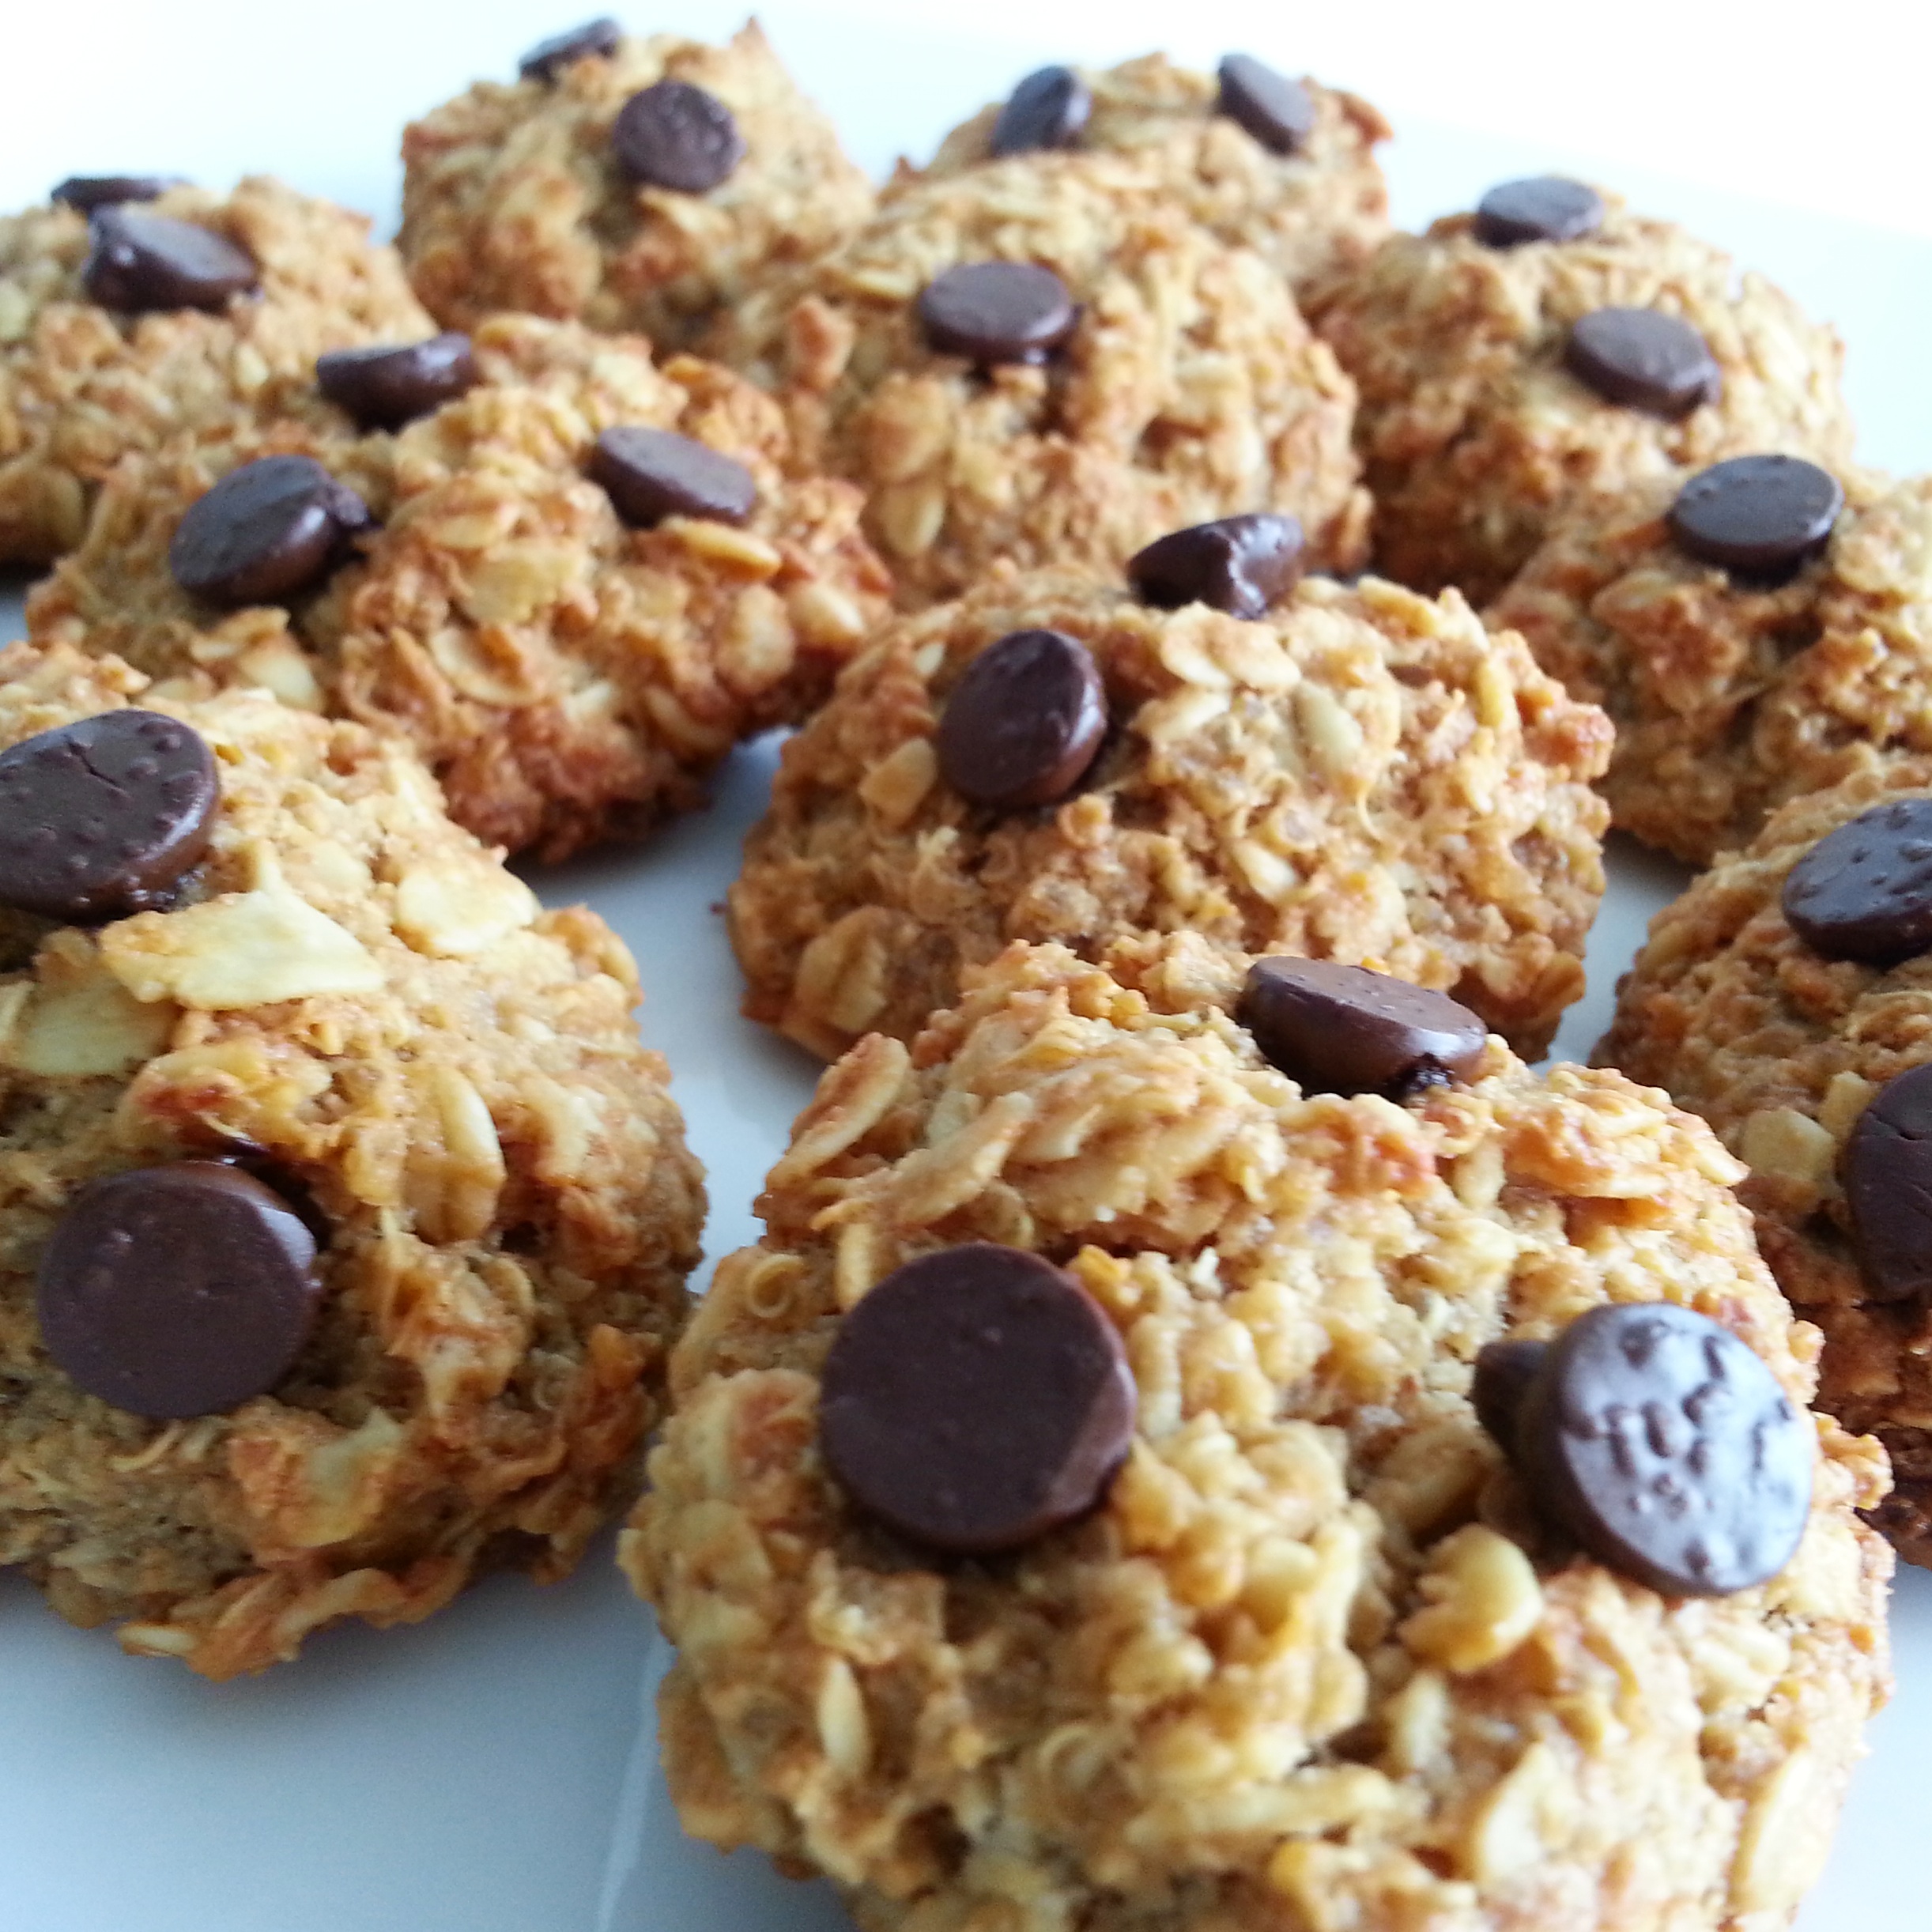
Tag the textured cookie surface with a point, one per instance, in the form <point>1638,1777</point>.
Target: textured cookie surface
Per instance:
<point>1731,697</point>
<point>566,677</point>
<point>1472,430</point>
<point>512,198</point>
<point>1308,1665</point>
<point>1362,776</point>
<point>81,385</point>
<point>354,998</point>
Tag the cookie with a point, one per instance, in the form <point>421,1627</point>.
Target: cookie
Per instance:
<point>1317,1651</point>
<point>1299,186</point>
<point>561,195</point>
<point>1737,686</point>
<point>1359,775</point>
<point>344,1220</point>
<point>1038,360</point>
<point>537,580</point>
<point>1549,343</point>
<point>183,312</point>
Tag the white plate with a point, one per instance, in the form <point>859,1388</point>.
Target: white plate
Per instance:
<point>495,1769</point>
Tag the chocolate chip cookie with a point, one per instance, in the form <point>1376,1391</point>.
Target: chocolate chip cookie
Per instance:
<point>1275,1632</point>
<point>344,1220</point>
<point>573,577</point>
<point>132,311</point>
<point>631,184</point>
<point>1551,343</point>
<point>1355,773</point>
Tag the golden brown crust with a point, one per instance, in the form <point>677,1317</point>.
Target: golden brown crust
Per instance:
<point>1310,1665</point>
<point>357,990</point>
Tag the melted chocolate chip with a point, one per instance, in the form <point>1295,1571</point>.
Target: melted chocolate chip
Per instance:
<point>1543,208</point>
<point>1047,109</point>
<point>1763,517</point>
<point>1865,890</point>
<point>1886,1171</point>
<point>266,531</point>
<point>1644,360</point>
<point>1278,112</point>
<point>993,312</point>
<point>87,192</point>
<point>595,39</point>
<point>138,262</point>
<point>673,135</point>
<point>650,474</point>
<point>1240,565</point>
<point>1025,721</point>
<point>384,388</point>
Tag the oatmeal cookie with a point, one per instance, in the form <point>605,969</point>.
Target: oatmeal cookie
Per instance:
<point>567,673</point>
<point>81,383</point>
<point>1474,427</point>
<point>1133,376</point>
<point>1732,694</point>
<point>1312,1662</point>
<point>1360,774</point>
<point>1310,200</point>
<point>351,998</point>
<point>542,196</point>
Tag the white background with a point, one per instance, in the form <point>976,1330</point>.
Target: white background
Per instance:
<point>493,1770</point>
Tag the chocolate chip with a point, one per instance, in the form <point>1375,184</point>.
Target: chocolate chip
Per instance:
<point>384,388</point>
<point>266,530</point>
<point>1343,1029</point>
<point>976,1399</point>
<point>1025,721</point>
<point>1865,890</point>
<point>650,474</point>
<point>1644,360</point>
<point>1240,565</point>
<point>180,1290</point>
<point>99,818</point>
<point>1544,208</point>
<point>1047,110</point>
<point>87,192</point>
<point>595,39</point>
<point>1278,112</point>
<point>997,311</point>
<point>1667,1449</point>
<point>1505,1370</point>
<point>1886,1171</point>
<point>1764,517</point>
<point>673,135</point>
<point>138,262</point>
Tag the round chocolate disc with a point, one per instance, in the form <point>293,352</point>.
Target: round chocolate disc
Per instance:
<point>1886,1171</point>
<point>1047,110</point>
<point>138,261</point>
<point>1025,721</point>
<point>1278,112</point>
<point>1542,208</point>
<point>650,474</point>
<point>180,1290</point>
<point>100,817</point>
<point>595,39</point>
<point>1762,516</point>
<point>384,388</point>
<point>1505,1370</point>
<point>997,311</point>
<point>87,192</point>
<point>673,135</point>
<point>1865,890</point>
<point>1644,360</point>
<point>266,530</point>
<point>976,1399</point>
<point>1240,565</point>
<point>1344,1029</point>
<point>1667,1449</point>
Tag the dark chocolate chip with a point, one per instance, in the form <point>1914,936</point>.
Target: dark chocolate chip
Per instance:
<point>1644,360</point>
<point>269,529</point>
<point>1344,1029</point>
<point>1047,109</point>
<point>139,262</point>
<point>1025,721</point>
<point>976,1399</point>
<point>87,192</point>
<point>1887,1174</point>
<point>1665,1446</point>
<point>99,818</point>
<point>1764,517</point>
<point>595,39</point>
<point>650,474</point>
<point>673,135</point>
<point>180,1290</point>
<point>1865,890</point>
<point>1505,1370</point>
<point>384,388</point>
<point>1240,565</point>
<point>997,311</point>
<point>1278,112</point>
<point>1543,208</point>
